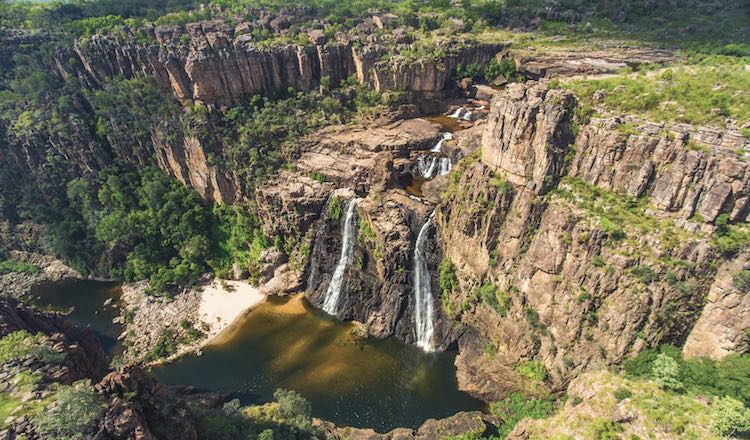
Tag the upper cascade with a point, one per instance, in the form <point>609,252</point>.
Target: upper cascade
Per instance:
<point>436,165</point>
<point>331,302</point>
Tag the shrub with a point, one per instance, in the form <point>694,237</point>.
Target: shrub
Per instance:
<point>492,296</point>
<point>665,372</point>
<point>448,278</point>
<point>505,68</point>
<point>19,344</point>
<point>294,407</point>
<point>533,370</point>
<point>10,266</point>
<point>335,208</point>
<point>603,429</point>
<point>165,346</point>
<point>730,417</point>
<point>644,273</point>
<point>72,415</point>
<point>517,407</point>
<point>742,280</point>
<point>622,394</point>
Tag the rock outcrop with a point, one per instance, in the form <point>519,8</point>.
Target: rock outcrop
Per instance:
<point>213,63</point>
<point>84,354</point>
<point>724,325</point>
<point>527,135</point>
<point>137,406</point>
<point>605,402</point>
<point>476,423</point>
<point>597,246</point>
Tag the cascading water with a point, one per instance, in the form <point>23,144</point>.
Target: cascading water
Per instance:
<point>430,166</point>
<point>457,114</point>
<point>331,301</point>
<point>424,312</point>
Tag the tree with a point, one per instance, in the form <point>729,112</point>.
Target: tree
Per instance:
<point>730,417</point>
<point>73,414</point>
<point>666,372</point>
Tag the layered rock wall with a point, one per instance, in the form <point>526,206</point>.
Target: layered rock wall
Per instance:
<point>212,63</point>
<point>577,291</point>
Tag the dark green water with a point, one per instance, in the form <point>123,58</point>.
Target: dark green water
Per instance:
<point>85,300</point>
<point>286,343</point>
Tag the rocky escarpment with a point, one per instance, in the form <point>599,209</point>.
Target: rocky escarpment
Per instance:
<point>723,328</point>
<point>85,357</point>
<point>590,251</point>
<point>596,405</point>
<point>20,284</point>
<point>134,405</point>
<point>214,63</point>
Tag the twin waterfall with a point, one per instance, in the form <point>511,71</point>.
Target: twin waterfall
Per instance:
<point>424,311</point>
<point>331,302</point>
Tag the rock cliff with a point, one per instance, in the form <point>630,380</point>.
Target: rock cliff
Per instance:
<point>597,246</point>
<point>213,63</point>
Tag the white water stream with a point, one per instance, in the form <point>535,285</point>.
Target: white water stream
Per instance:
<point>424,311</point>
<point>331,301</point>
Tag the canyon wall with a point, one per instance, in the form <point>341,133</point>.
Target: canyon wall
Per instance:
<point>598,245</point>
<point>215,64</point>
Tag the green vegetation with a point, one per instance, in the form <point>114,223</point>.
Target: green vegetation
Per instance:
<point>731,239</point>
<point>260,137</point>
<point>335,208</point>
<point>730,417</point>
<point>73,414</point>
<point>19,344</point>
<point>533,370</point>
<point>516,407</point>
<point>492,296</point>
<point>742,280</point>
<point>709,91</point>
<point>164,347</point>
<point>448,278</point>
<point>10,266</point>
<point>700,376</point>
<point>286,418</point>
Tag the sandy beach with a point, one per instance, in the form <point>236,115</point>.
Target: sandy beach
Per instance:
<point>223,301</point>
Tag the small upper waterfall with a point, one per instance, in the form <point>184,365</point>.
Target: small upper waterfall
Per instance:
<point>331,302</point>
<point>431,166</point>
<point>424,312</point>
<point>457,114</point>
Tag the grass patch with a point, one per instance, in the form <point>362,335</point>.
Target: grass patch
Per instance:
<point>707,93</point>
<point>12,266</point>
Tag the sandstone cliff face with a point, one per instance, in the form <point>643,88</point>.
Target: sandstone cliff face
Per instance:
<point>682,169</point>
<point>528,132</point>
<point>213,63</point>
<point>577,291</point>
<point>723,327</point>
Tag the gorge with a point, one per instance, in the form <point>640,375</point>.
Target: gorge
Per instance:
<point>376,220</point>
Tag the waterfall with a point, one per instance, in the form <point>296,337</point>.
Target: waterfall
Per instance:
<point>426,166</point>
<point>424,312</point>
<point>430,166</point>
<point>444,166</point>
<point>457,114</point>
<point>331,301</point>
<point>438,148</point>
